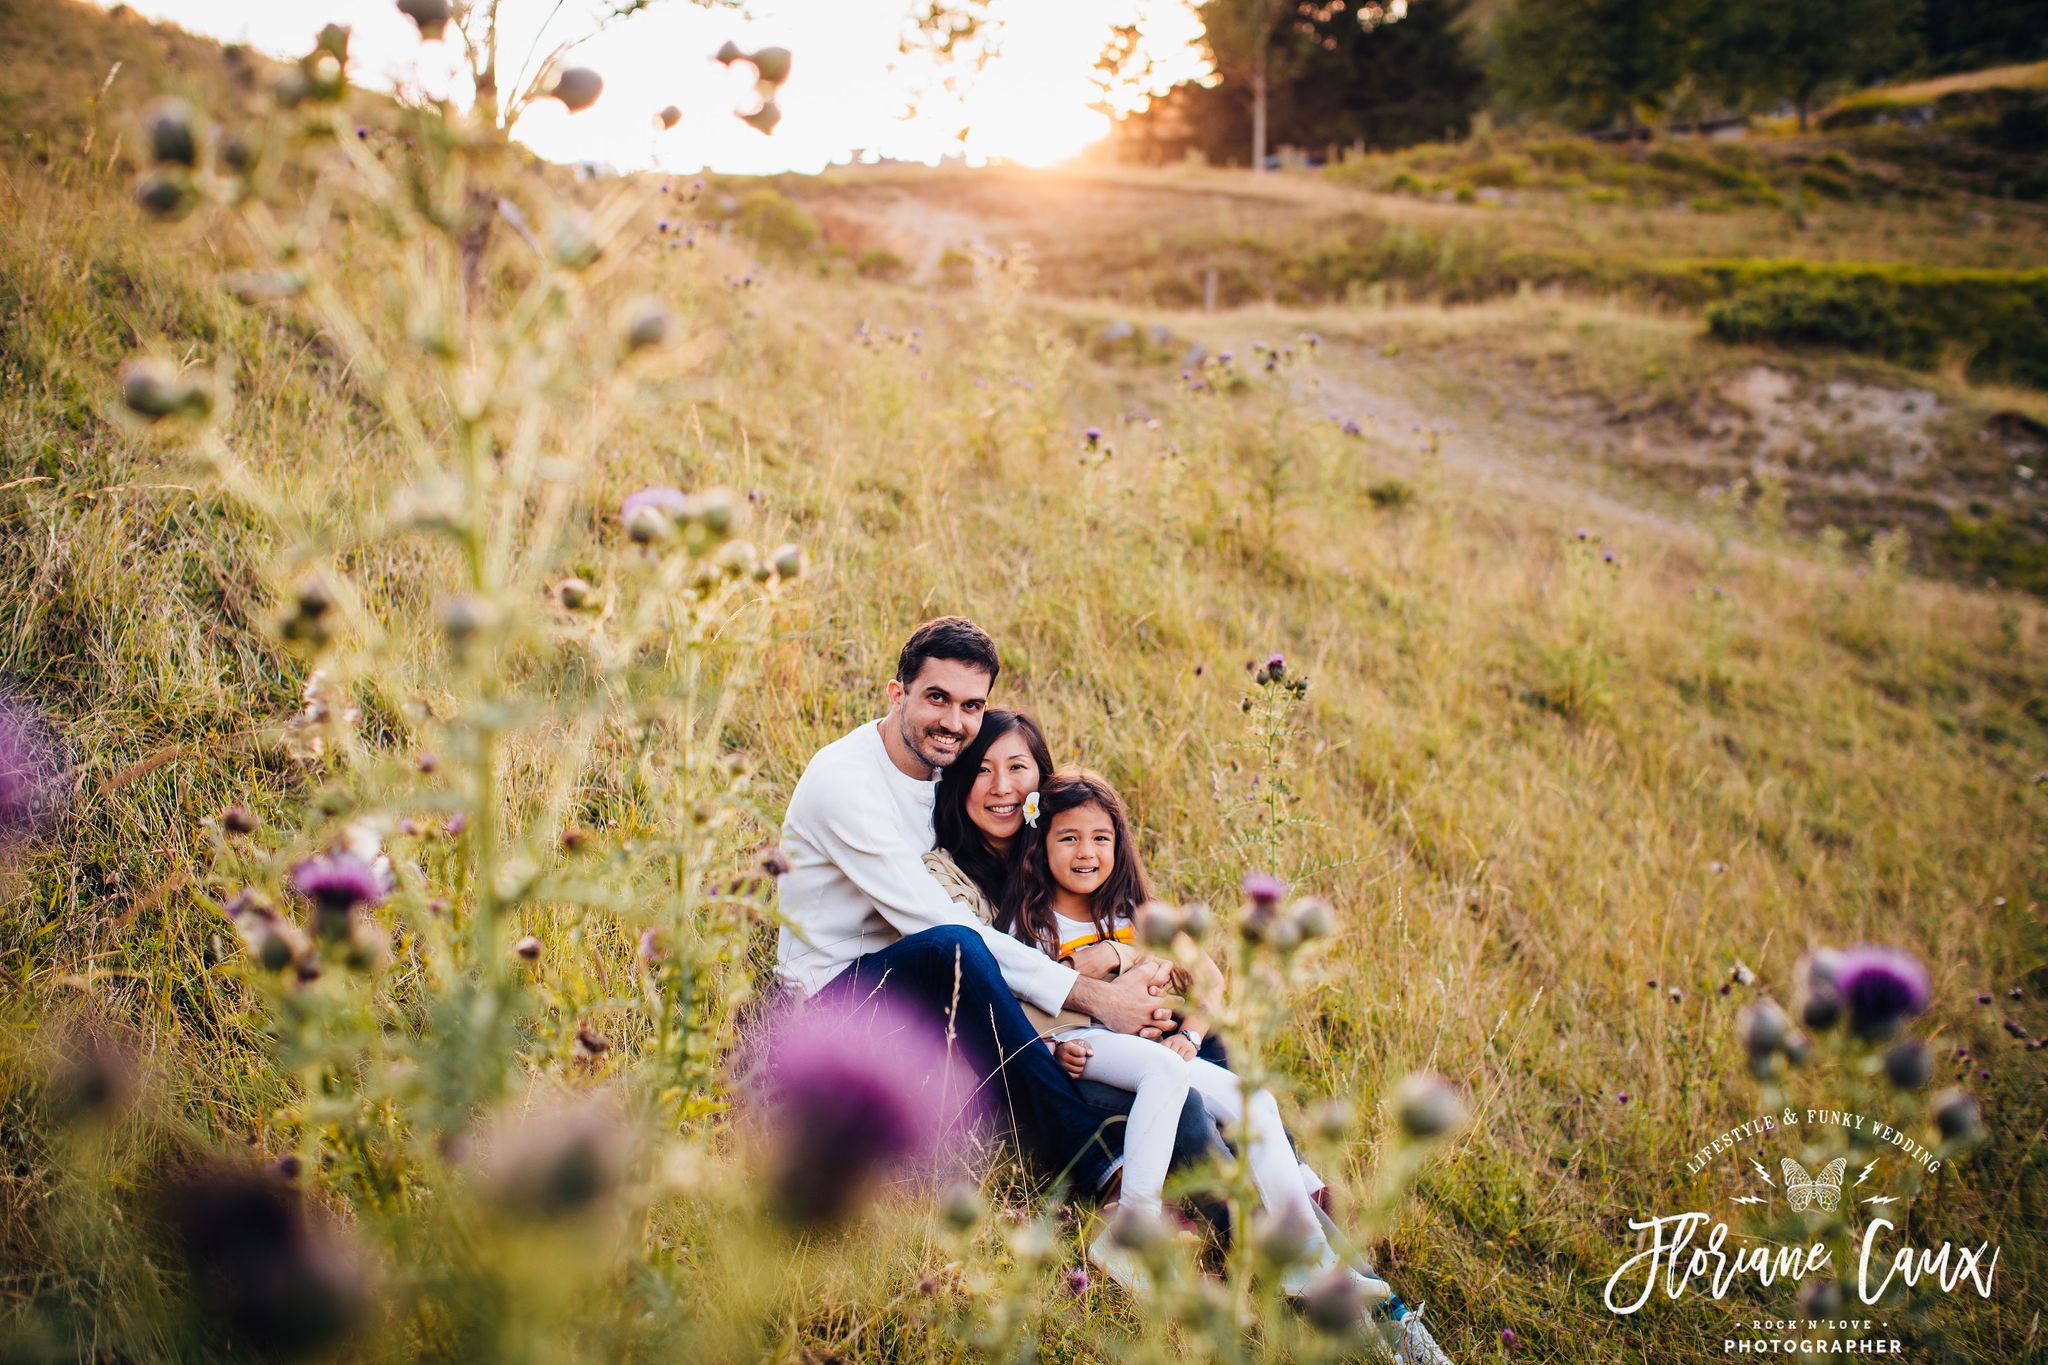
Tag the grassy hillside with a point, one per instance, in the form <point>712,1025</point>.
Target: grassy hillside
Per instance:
<point>1569,755</point>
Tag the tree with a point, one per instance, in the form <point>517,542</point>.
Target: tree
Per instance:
<point>1384,84</point>
<point>1250,45</point>
<point>1594,60</point>
<point>1779,51</point>
<point>949,43</point>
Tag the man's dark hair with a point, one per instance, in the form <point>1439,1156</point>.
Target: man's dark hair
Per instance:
<point>947,637</point>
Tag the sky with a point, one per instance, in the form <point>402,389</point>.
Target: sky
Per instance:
<point>847,91</point>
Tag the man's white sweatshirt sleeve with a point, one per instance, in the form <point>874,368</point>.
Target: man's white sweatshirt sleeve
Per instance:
<point>871,851</point>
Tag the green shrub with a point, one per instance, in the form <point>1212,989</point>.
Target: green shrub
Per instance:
<point>1406,183</point>
<point>880,263</point>
<point>777,222</point>
<point>1998,319</point>
<point>956,268</point>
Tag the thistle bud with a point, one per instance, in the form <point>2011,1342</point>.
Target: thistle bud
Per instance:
<point>238,153</point>
<point>1821,1299</point>
<point>646,322</point>
<point>166,193</point>
<point>788,561</point>
<point>962,1206</point>
<point>764,119</point>
<point>646,525</point>
<point>728,53</point>
<point>1196,920</point>
<point>1285,1239</point>
<point>292,89</point>
<point>432,16</point>
<point>168,136</point>
<point>1283,934</point>
<point>1956,1115</point>
<point>238,820</point>
<point>773,64</point>
<point>575,241</point>
<point>153,390</point>
<point>527,949</point>
<point>1157,923</point>
<point>1137,1230</point>
<point>1337,1302</point>
<point>462,617</point>
<point>590,1044</point>
<point>333,40</point>
<point>576,594</point>
<point>1332,1120</point>
<point>714,510</point>
<point>1763,1027</point>
<point>774,861</point>
<point>1315,917</point>
<point>577,87</point>
<point>669,117</point>
<point>1909,1065</point>
<point>1426,1107</point>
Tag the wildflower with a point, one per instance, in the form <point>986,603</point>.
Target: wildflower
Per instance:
<point>427,761</point>
<point>153,389</point>
<point>1077,1281</point>
<point>432,16</point>
<point>669,117</point>
<point>1983,999</point>
<point>576,594</point>
<point>1763,1027</point>
<point>1909,1065</point>
<point>275,1274</point>
<point>962,1206</point>
<point>1262,888</point>
<point>1508,1339</point>
<point>1983,1075</point>
<point>852,1095</point>
<point>462,617</point>
<point>1093,436</point>
<point>1337,1302</point>
<point>1196,920</point>
<point>1582,533</point>
<point>238,820</point>
<point>454,825</point>
<point>764,119</point>
<point>1315,917</point>
<point>1609,557</point>
<point>527,949</point>
<point>1821,1299</point>
<point>1882,987</point>
<point>1821,999</point>
<point>1741,975</point>
<point>1352,428</point>
<point>590,1044</point>
<point>1157,923</point>
<point>1426,1107</point>
<point>772,64</point>
<point>647,323</point>
<point>1956,1114</point>
<point>167,132</point>
<point>728,53</point>
<point>96,1079</point>
<point>1677,996</point>
<point>2014,994</point>
<point>2015,1029</point>
<point>560,1163</point>
<point>338,885</point>
<point>787,561</point>
<point>1621,1097</point>
<point>574,240</point>
<point>577,87</point>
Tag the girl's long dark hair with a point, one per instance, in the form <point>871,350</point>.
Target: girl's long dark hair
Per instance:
<point>1026,909</point>
<point>955,829</point>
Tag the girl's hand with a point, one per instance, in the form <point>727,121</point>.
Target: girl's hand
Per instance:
<point>1072,1057</point>
<point>1096,961</point>
<point>1183,1046</point>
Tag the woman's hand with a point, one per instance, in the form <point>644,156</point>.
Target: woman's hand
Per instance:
<point>1072,1057</point>
<point>1097,961</point>
<point>1183,1046</point>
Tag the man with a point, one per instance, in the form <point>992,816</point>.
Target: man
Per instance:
<point>863,916</point>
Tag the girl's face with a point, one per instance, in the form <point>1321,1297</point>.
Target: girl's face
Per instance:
<point>995,803</point>
<point>1080,849</point>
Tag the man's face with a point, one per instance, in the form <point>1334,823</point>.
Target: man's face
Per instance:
<point>939,714</point>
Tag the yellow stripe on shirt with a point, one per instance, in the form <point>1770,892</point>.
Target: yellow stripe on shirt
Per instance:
<point>1074,945</point>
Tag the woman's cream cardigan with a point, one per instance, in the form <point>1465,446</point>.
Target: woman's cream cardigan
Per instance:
<point>966,891</point>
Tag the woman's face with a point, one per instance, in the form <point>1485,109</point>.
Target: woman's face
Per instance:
<point>995,803</point>
<point>1080,849</point>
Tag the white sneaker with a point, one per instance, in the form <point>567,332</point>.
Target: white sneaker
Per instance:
<point>1412,1342</point>
<point>1120,1264</point>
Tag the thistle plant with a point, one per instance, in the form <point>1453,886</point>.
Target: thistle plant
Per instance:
<point>491,920</point>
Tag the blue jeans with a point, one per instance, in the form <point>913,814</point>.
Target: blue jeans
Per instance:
<point>930,971</point>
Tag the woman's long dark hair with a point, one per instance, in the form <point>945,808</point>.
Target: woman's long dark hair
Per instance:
<point>955,828</point>
<point>1026,909</point>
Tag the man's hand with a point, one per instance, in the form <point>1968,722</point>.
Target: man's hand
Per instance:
<point>1129,1004</point>
<point>1072,1057</point>
<point>1182,1046</point>
<point>1096,961</point>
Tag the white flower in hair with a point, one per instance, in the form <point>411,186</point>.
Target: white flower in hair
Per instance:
<point>1031,810</point>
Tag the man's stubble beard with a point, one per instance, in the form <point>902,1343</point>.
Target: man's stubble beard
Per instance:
<point>924,755</point>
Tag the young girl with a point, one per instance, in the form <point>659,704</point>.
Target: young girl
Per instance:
<point>1081,881</point>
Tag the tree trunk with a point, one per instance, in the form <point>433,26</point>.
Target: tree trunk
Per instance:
<point>1259,114</point>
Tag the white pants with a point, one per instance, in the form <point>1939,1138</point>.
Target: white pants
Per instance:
<point>1160,1080</point>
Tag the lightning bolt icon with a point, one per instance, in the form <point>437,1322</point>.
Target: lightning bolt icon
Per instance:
<point>1750,1199</point>
<point>1882,1199</point>
<point>1866,1173</point>
<point>1766,1174</point>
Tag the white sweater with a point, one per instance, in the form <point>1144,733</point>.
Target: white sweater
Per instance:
<point>856,834</point>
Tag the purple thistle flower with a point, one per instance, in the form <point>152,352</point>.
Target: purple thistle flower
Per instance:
<point>1621,1097</point>
<point>1607,557</point>
<point>28,771</point>
<point>1093,435</point>
<point>1352,428</point>
<point>1276,664</point>
<point>672,502</point>
<point>1882,988</point>
<point>1507,1338</point>
<point>1262,888</point>
<point>1983,999</point>
<point>1582,533</point>
<point>854,1094</point>
<point>1077,1281</point>
<point>338,884</point>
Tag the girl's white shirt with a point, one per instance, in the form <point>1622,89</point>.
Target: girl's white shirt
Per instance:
<point>1071,929</point>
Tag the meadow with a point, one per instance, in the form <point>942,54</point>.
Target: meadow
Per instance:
<point>1586,763</point>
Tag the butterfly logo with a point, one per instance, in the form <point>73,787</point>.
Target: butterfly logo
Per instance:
<point>1824,1189</point>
